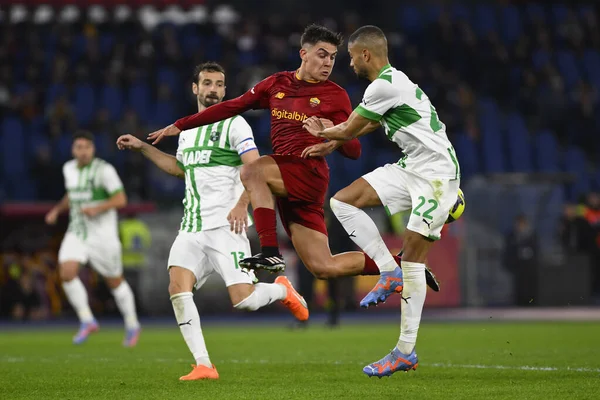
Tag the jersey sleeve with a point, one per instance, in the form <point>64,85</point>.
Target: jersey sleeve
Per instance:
<point>64,172</point>
<point>179,152</point>
<point>255,98</point>
<point>379,97</point>
<point>240,136</point>
<point>343,108</point>
<point>110,180</point>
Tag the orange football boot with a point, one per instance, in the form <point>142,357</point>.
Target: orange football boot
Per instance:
<point>201,372</point>
<point>293,301</point>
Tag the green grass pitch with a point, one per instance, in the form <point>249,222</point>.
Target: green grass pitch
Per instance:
<point>456,361</point>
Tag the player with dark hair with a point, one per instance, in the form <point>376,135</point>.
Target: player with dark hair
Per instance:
<point>212,237</point>
<point>297,173</point>
<point>425,181</point>
<point>94,193</point>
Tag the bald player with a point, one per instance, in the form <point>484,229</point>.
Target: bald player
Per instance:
<point>426,180</point>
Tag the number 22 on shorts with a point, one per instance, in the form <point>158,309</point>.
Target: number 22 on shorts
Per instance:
<point>426,213</point>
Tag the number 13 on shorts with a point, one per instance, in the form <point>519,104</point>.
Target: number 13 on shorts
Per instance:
<point>237,256</point>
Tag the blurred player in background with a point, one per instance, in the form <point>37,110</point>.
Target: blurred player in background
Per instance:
<point>94,193</point>
<point>425,180</point>
<point>212,237</point>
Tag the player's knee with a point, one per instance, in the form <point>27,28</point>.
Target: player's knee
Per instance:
<point>249,303</point>
<point>176,287</point>
<point>114,283</point>
<point>67,272</point>
<point>415,247</point>
<point>320,270</point>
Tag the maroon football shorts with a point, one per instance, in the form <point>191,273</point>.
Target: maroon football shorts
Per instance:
<point>306,182</point>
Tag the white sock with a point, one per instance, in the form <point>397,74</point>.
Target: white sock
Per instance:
<point>126,303</point>
<point>413,299</point>
<point>364,233</point>
<point>77,296</point>
<point>263,295</point>
<point>188,319</point>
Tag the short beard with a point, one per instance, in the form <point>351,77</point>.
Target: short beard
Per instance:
<point>362,74</point>
<point>202,100</point>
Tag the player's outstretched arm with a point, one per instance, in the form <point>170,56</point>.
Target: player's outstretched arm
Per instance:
<point>238,216</point>
<point>355,126</point>
<point>164,161</point>
<point>62,205</point>
<point>252,99</point>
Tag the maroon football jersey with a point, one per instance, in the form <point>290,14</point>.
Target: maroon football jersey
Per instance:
<point>291,101</point>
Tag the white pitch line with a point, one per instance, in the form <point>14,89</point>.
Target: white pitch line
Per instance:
<point>12,360</point>
<point>511,367</point>
<point>434,365</point>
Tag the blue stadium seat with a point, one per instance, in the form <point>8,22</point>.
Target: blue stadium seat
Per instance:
<point>164,113</point>
<point>410,19</point>
<point>535,11</point>
<point>467,154</point>
<point>84,103</point>
<point>21,88</point>
<point>567,66</point>
<point>111,98</point>
<point>54,91</point>
<point>591,66</point>
<point>432,13</point>
<point>336,173</point>
<point>139,99</point>
<point>492,149</point>
<point>169,77</point>
<point>78,47</point>
<point>518,144</point>
<point>546,152</point>
<point>62,148</point>
<point>262,132</point>
<point>191,41</point>
<point>106,43</point>
<point>559,13</point>
<point>574,160</point>
<point>214,48</point>
<point>540,58</point>
<point>485,19</point>
<point>459,11</point>
<point>104,145</point>
<point>12,139</point>
<point>24,190</point>
<point>512,26</point>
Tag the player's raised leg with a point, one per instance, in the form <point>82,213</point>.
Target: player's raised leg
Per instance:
<point>346,205</point>
<point>313,249</point>
<point>78,298</point>
<point>125,302</point>
<point>250,297</point>
<point>262,179</point>
<point>224,250</point>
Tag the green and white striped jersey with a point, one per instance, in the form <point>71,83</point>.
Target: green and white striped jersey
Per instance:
<point>410,121</point>
<point>87,187</point>
<point>210,157</point>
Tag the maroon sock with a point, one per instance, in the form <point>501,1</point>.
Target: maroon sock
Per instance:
<point>266,226</point>
<point>370,267</point>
